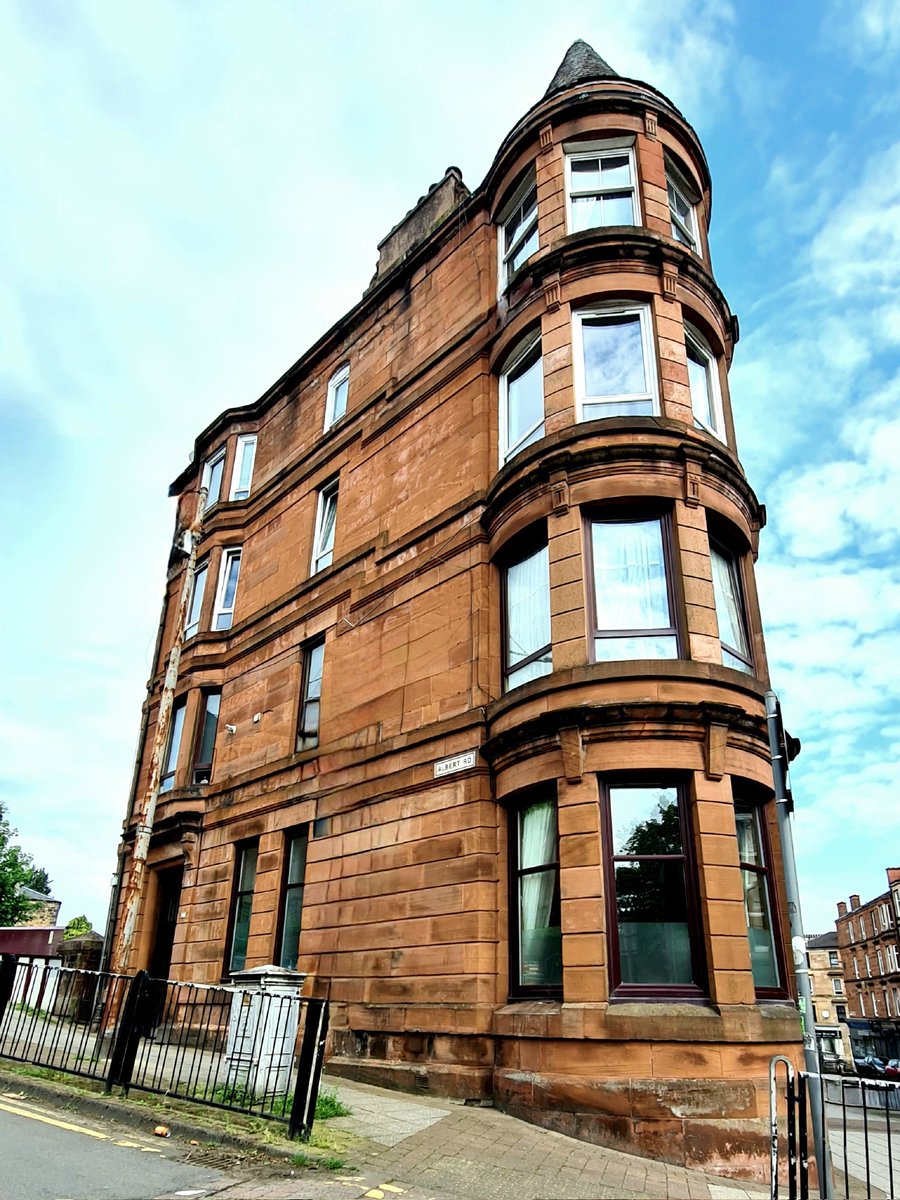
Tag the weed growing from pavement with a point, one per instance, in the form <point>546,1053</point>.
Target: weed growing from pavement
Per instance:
<point>328,1105</point>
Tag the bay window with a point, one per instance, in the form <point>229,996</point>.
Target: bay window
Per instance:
<point>527,648</point>
<point>682,209</point>
<point>615,367</point>
<point>518,228</point>
<point>211,479</point>
<point>242,473</point>
<point>655,939</point>
<point>758,899</point>
<point>632,603</point>
<point>229,573</point>
<point>176,729</point>
<point>730,610</point>
<point>205,740</point>
<point>522,398</point>
<point>600,185</point>
<point>703,379</point>
<point>195,608</point>
<point>537,933</point>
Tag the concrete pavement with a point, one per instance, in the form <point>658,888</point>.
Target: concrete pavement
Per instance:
<point>401,1147</point>
<point>436,1148</point>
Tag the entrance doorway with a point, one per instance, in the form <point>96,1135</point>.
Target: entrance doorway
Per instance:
<point>168,897</point>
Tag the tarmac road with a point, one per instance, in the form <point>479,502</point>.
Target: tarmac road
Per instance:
<point>47,1155</point>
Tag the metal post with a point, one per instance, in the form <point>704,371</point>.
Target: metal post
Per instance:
<point>134,891</point>
<point>128,1034</point>
<point>7,980</point>
<point>309,1069</point>
<point>783,808</point>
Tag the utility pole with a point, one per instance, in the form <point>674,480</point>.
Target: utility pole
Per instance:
<point>782,750</point>
<point>137,876</point>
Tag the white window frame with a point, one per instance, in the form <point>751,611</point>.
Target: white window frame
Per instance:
<point>318,552</point>
<point>229,554</point>
<point>868,966</point>
<point>698,343</point>
<point>246,444</point>
<point>217,457</point>
<point>504,252</point>
<point>874,1004</point>
<point>851,931</point>
<point>855,967</point>
<point>648,344</point>
<point>521,352</point>
<point>862,1004</point>
<point>341,375</point>
<point>201,571</point>
<point>608,148</point>
<point>837,986</point>
<point>676,181</point>
<point>879,958</point>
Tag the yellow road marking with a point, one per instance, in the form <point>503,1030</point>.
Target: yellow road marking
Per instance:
<point>387,1187</point>
<point>23,1112</point>
<point>94,1133</point>
<point>376,1194</point>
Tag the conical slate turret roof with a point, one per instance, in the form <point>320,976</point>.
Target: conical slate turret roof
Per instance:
<point>581,63</point>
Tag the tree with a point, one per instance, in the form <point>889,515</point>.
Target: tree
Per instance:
<point>77,927</point>
<point>17,870</point>
<point>38,880</point>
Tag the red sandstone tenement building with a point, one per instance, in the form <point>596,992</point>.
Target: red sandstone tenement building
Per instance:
<point>469,722</point>
<point>868,935</point>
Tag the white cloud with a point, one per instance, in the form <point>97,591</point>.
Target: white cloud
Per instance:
<point>869,30</point>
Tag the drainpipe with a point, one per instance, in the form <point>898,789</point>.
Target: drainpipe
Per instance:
<point>137,878</point>
<point>112,916</point>
<point>781,753</point>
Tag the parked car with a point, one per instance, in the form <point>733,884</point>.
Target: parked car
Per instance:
<point>892,1068</point>
<point>870,1066</point>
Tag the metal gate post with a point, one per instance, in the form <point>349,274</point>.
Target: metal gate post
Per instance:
<point>7,980</point>
<point>773,1126</point>
<point>128,1035</point>
<point>309,1069</point>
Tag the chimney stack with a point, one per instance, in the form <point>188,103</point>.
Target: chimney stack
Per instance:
<point>854,902</point>
<point>842,908</point>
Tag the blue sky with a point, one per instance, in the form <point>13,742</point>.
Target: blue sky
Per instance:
<point>191,193</point>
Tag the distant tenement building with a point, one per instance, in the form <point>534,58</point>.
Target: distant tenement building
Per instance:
<point>870,948</point>
<point>469,722</point>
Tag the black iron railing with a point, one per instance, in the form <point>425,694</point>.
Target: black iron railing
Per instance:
<point>251,1050</point>
<point>862,1134</point>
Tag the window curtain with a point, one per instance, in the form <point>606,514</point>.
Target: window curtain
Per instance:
<point>528,606</point>
<point>630,576</point>
<point>248,453</point>
<point>541,962</point>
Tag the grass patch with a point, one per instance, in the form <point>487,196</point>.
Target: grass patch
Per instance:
<point>30,1011</point>
<point>328,1105</point>
<point>318,1164</point>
